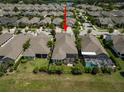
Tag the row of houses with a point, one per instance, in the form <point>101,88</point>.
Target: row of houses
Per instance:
<point>64,51</point>
<point>108,18</point>
<point>34,13</point>
<point>13,50</point>
<point>35,7</point>
<point>35,21</point>
<point>101,17</point>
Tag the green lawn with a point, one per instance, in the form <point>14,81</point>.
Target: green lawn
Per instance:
<point>30,65</point>
<point>25,80</point>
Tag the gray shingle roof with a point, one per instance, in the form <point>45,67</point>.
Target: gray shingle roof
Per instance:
<point>38,45</point>
<point>57,21</point>
<point>90,43</point>
<point>13,48</point>
<point>4,38</point>
<point>64,45</point>
<point>105,21</point>
<point>34,20</point>
<point>118,42</point>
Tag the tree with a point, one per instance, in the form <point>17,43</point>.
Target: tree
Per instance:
<point>78,44</point>
<point>26,45</point>
<point>52,26</point>
<point>53,33</point>
<point>101,36</point>
<point>89,31</point>
<point>50,44</point>
<point>111,30</point>
<point>108,43</point>
<point>15,9</point>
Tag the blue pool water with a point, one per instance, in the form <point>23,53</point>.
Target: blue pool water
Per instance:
<point>89,64</point>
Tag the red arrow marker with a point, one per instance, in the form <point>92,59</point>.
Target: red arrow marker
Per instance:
<point>65,19</point>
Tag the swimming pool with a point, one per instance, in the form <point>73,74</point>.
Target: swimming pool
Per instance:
<point>90,64</point>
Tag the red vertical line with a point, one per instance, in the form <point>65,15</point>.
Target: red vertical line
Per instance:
<point>65,19</point>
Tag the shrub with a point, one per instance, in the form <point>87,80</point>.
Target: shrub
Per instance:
<point>43,69</point>
<point>52,69</point>
<point>1,74</point>
<point>23,60</point>
<point>11,70</point>
<point>111,30</point>
<point>88,70</point>
<point>106,70</point>
<point>77,69</point>
<point>59,70</point>
<point>95,70</point>
<point>109,70</point>
<point>35,70</point>
<point>59,63</point>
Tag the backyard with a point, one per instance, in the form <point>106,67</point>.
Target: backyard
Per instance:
<point>25,80</point>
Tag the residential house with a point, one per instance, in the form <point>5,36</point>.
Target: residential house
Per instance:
<point>65,49</point>
<point>118,45</point>
<point>93,52</point>
<point>95,13</point>
<point>8,21</point>
<point>23,20</point>
<point>104,22</point>
<point>118,21</point>
<point>34,20</point>
<point>46,20</point>
<point>38,47</point>
<point>57,21</point>
<point>13,49</point>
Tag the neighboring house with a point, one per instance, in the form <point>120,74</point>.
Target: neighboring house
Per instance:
<point>95,13</point>
<point>4,38</point>
<point>14,48</point>
<point>106,14</point>
<point>8,21</point>
<point>93,52</point>
<point>93,8</point>
<point>23,20</point>
<point>44,13</point>
<point>118,45</point>
<point>118,21</point>
<point>57,21</point>
<point>38,47</point>
<point>117,13</point>
<point>34,20</point>
<point>46,20</point>
<point>65,49</point>
<point>104,22</point>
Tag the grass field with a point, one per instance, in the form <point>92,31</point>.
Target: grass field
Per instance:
<point>25,80</point>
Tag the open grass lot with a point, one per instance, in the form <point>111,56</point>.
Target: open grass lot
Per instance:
<point>25,80</point>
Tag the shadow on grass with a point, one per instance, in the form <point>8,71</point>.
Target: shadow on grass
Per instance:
<point>122,73</point>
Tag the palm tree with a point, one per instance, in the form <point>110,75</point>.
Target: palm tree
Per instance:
<point>50,44</point>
